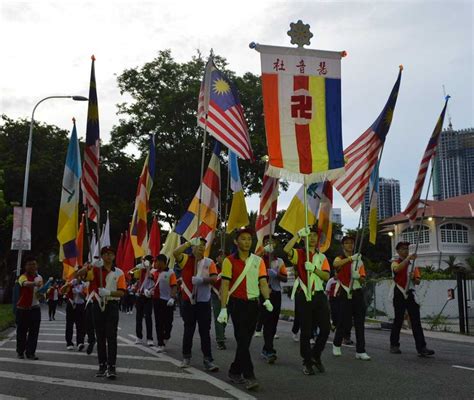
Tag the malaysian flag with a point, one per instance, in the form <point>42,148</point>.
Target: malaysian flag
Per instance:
<point>265,223</point>
<point>90,168</point>
<point>412,207</point>
<point>220,112</point>
<point>362,155</point>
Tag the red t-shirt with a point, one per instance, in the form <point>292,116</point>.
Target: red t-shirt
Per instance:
<point>344,273</point>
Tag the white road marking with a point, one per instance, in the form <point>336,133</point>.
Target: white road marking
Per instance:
<point>62,342</point>
<point>224,386</point>
<point>178,375</point>
<point>461,367</point>
<point>8,338</point>
<point>106,387</point>
<point>6,397</point>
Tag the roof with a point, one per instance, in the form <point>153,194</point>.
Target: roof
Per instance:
<point>454,207</point>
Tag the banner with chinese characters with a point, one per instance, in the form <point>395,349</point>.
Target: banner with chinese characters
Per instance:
<point>302,109</point>
<point>25,242</point>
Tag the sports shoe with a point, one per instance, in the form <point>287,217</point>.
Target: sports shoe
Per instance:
<point>150,343</point>
<point>336,351</point>
<point>308,370</point>
<point>312,341</point>
<point>221,346</point>
<point>31,357</point>
<point>160,349</point>
<point>258,334</point>
<point>395,350</point>
<point>296,337</point>
<point>424,352</point>
<point>70,347</point>
<point>102,371</point>
<point>80,347</point>
<point>236,378</point>
<point>348,342</point>
<point>138,341</point>
<point>20,356</point>
<point>269,357</point>
<point>362,356</point>
<point>209,366</point>
<point>185,363</point>
<point>318,364</point>
<point>90,348</point>
<point>251,384</point>
<point>111,373</point>
<point>276,336</point>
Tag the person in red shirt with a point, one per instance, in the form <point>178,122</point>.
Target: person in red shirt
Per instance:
<point>53,297</point>
<point>404,282</point>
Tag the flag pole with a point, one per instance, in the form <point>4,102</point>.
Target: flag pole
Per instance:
<point>305,201</point>
<point>88,233</point>
<point>226,207</point>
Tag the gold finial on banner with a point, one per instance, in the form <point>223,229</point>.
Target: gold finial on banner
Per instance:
<point>300,33</point>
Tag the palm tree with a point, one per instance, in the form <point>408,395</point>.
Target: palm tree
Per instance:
<point>453,266</point>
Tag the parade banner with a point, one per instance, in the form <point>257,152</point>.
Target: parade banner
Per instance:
<point>302,108</point>
<point>17,229</point>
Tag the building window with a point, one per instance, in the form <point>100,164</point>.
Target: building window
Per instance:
<point>410,234</point>
<point>454,233</point>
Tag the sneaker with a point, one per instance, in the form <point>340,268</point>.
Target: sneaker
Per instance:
<point>312,342</point>
<point>102,371</point>
<point>150,343</point>
<point>348,342</point>
<point>80,347</point>
<point>20,356</point>
<point>258,334</point>
<point>221,346</point>
<point>236,378</point>
<point>70,347</point>
<point>424,352</point>
<point>395,350</point>
<point>111,373</point>
<point>308,370</point>
<point>251,384</point>
<point>296,337</point>
<point>269,357</point>
<point>185,363</point>
<point>276,336</point>
<point>50,319</point>
<point>138,341</point>
<point>32,357</point>
<point>318,364</point>
<point>90,348</point>
<point>209,366</point>
<point>362,356</point>
<point>160,349</point>
<point>336,351</point>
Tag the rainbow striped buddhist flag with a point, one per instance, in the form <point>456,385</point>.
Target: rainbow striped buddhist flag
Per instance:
<point>302,108</point>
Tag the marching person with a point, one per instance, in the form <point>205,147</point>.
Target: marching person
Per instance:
<point>216,303</point>
<point>53,296</point>
<point>404,299</point>
<point>351,274</point>
<point>276,271</point>
<point>144,302</point>
<point>198,274</point>
<point>105,308</point>
<point>28,312</point>
<point>164,299</point>
<point>314,313</point>
<point>244,277</point>
<point>74,292</point>
<point>89,315</point>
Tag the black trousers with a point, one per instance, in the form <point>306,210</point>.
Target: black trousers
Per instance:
<point>313,314</point>
<point>335,305</point>
<point>244,314</point>
<point>27,330</point>
<point>351,309</point>
<point>52,304</point>
<point>270,322</point>
<point>144,307</point>
<point>296,321</point>
<point>75,316</point>
<point>400,304</point>
<point>163,320</point>
<point>89,322</point>
<point>200,314</point>
<point>106,323</point>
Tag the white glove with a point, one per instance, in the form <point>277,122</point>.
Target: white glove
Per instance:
<point>268,248</point>
<point>355,275</point>
<point>147,293</point>
<point>98,263</point>
<point>38,281</point>
<point>170,302</point>
<point>195,241</point>
<point>197,280</point>
<point>303,232</point>
<point>103,292</point>
<point>272,273</point>
<point>268,305</point>
<point>223,317</point>
<point>74,282</point>
<point>309,266</point>
<point>356,257</point>
<point>146,263</point>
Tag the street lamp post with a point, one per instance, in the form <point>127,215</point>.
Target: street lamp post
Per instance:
<point>27,170</point>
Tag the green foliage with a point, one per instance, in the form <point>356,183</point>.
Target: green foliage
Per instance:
<point>7,319</point>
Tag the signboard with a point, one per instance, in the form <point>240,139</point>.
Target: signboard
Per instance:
<point>17,229</point>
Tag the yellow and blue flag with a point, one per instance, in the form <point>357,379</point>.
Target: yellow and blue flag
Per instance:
<point>238,215</point>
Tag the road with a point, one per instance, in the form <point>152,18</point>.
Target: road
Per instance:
<point>60,374</point>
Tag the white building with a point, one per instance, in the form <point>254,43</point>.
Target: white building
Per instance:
<point>337,216</point>
<point>448,230</point>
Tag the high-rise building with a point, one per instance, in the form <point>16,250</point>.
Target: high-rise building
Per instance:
<point>388,201</point>
<point>454,164</point>
<point>337,216</point>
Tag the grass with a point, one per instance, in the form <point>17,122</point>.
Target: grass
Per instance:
<point>7,319</point>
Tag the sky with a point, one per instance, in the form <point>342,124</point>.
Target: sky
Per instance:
<point>46,49</point>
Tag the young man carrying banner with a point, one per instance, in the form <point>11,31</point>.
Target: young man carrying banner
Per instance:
<point>106,298</point>
<point>404,299</point>
<point>311,301</point>
<point>244,278</point>
<point>164,299</point>
<point>277,273</point>
<point>198,274</point>
<point>350,273</point>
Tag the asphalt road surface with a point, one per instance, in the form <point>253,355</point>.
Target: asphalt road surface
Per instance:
<point>144,374</point>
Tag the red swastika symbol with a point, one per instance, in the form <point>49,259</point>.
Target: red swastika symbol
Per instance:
<point>301,106</point>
